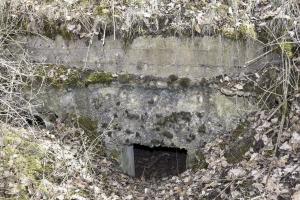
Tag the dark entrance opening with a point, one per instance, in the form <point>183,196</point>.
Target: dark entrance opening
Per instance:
<point>158,162</point>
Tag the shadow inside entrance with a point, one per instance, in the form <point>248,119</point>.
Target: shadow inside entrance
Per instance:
<point>158,161</point>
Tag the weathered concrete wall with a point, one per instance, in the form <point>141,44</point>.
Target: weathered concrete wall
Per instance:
<point>194,58</point>
<point>152,112</point>
<point>152,116</point>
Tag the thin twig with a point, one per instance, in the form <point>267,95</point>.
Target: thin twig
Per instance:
<point>114,22</point>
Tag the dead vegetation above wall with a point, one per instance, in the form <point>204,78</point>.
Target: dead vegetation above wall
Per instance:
<point>269,21</point>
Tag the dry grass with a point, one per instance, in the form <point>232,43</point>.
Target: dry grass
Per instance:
<point>16,71</point>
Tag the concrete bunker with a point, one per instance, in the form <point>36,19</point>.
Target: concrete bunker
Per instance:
<point>150,98</point>
<point>153,162</point>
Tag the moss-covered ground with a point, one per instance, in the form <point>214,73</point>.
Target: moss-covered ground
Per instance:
<point>23,162</point>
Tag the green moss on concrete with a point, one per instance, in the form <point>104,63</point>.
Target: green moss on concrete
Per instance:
<point>60,76</point>
<point>99,77</point>
<point>73,79</point>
